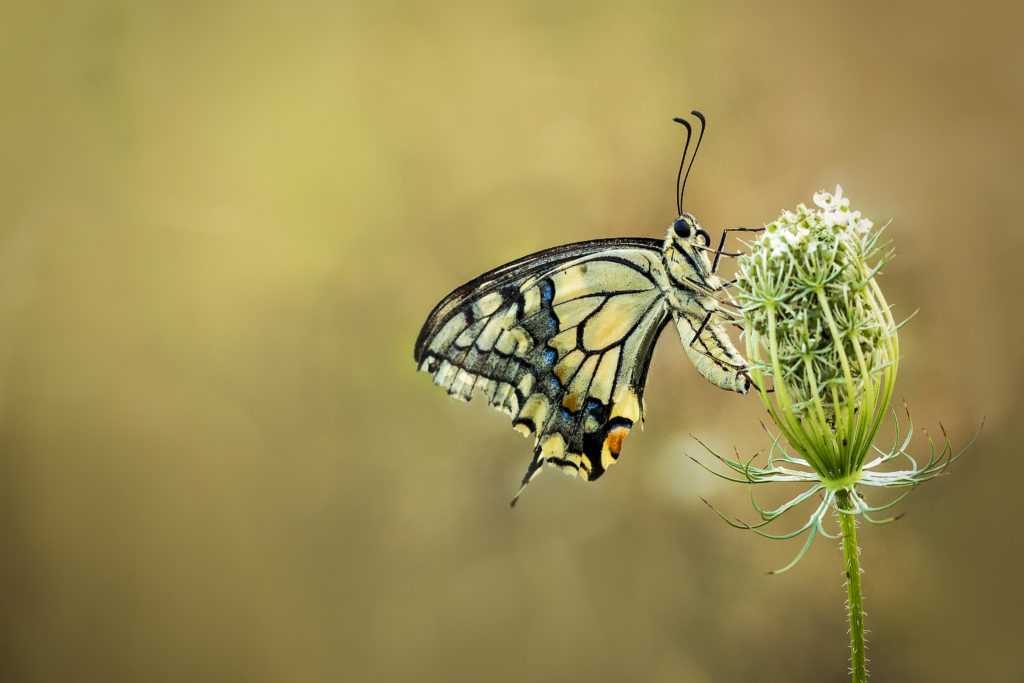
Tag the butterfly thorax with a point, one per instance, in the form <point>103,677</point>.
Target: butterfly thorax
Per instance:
<point>691,289</point>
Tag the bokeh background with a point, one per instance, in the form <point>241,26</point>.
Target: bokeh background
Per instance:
<point>222,224</point>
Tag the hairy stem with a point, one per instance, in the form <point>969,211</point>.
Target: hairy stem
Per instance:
<point>855,599</point>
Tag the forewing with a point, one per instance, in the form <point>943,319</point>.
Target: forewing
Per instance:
<point>561,341</point>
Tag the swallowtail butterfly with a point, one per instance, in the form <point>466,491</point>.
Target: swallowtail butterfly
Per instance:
<point>561,340</point>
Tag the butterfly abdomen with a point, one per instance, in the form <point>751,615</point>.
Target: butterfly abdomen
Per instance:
<point>713,353</point>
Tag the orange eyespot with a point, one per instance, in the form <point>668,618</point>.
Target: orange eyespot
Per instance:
<point>615,438</point>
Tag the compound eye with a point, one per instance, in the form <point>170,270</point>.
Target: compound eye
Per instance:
<point>681,228</point>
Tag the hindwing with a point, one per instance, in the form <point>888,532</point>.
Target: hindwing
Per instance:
<point>560,340</point>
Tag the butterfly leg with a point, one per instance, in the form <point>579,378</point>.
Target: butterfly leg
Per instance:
<point>704,324</point>
<point>700,329</point>
<point>738,367</point>
<point>719,253</point>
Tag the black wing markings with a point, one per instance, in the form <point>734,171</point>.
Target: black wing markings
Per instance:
<point>590,429</point>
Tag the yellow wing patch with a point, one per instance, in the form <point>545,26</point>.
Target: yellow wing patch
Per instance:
<point>564,351</point>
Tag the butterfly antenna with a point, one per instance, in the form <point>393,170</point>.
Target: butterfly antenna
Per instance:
<point>682,162</point>
<point>696,148</point>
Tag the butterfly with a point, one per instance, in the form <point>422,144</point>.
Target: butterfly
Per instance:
<point>561,340</point>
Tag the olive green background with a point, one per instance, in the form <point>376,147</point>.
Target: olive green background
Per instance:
<point>222,224</point>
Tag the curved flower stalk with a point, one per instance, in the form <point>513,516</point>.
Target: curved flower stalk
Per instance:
<point>823,349</point>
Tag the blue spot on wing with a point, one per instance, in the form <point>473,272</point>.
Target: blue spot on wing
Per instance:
<point>550,356</point>
<point>547,296</point>
<point>596,409</point>
<point>547,291</point>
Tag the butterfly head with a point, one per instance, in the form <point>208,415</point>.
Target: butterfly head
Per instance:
<point>686,228</point>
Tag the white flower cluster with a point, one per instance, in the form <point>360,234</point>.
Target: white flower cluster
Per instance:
<point>836,211</point>
<point>799,231</point>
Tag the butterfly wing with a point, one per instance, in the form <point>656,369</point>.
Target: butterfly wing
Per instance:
<point>561,341</point>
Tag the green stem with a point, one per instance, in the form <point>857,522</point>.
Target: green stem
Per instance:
<point>855,599</point>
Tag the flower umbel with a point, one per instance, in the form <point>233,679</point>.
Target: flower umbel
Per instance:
<point>823,349</point>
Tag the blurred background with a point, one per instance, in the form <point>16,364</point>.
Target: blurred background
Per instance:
<point>222,224</point>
